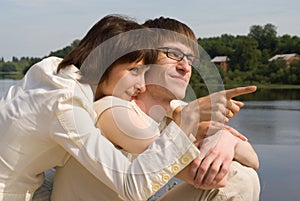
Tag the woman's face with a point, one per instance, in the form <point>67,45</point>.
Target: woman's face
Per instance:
<point>125,80</point>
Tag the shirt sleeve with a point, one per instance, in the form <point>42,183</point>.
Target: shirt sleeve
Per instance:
<point>74,130</point>
<point>173,105</point>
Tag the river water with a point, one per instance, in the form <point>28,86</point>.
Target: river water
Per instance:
<point>271,121</point>
<point>273,127</point>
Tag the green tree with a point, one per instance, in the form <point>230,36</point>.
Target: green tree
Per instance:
<point>15,59</point>
<point>63,52</point>
<point>266,36</point>
<point>294,76</point>
<point>8,67</point>
<point>218,46</point>
<point>246,55</point>
<point>277,72</point>
<point>288,44</point>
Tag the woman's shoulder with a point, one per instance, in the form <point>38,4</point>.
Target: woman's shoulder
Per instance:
<point>110,101</point>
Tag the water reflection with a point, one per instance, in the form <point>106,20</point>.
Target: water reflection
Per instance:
<point>293,105</point>
<point>279,172</point>
<point>271,122</point>
<point>273,127</point>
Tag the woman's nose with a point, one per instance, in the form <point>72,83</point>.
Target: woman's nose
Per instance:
<point>141,85</point>
<point>142,89</point>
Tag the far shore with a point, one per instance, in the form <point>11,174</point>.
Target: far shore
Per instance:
<point>268,86</point>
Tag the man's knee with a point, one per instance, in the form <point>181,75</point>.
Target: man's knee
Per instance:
<point>243,183</point>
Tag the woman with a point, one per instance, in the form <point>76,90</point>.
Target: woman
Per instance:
<point>48,117</point>
<point>121,83</point>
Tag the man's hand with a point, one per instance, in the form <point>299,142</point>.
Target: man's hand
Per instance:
<point>206,129</point>
<point>217,152</point>
<point>186,176</point>
<point>219,106</point>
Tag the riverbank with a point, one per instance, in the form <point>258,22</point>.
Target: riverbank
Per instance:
<point>266,86</point>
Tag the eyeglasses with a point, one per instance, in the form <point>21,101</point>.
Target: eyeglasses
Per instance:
<point>178,55</point>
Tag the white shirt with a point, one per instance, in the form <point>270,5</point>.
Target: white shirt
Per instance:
<point>74,182</point>
<point>48,117</point>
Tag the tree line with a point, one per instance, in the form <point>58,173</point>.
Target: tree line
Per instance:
<point>16,68</point>
<point>248,56</point>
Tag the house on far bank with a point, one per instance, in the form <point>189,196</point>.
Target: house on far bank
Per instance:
<point>288,58</point>
<point>221,62</point>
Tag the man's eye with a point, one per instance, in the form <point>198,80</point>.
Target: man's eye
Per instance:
<point>175,54</point>
<point>190,59</point>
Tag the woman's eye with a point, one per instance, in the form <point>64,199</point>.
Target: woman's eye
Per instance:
<point>139,69</point>
<point>134,70</point>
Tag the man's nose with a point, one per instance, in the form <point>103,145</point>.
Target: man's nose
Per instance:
<point>184,65</point>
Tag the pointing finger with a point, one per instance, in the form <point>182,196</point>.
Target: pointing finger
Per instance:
<point>230,93</point>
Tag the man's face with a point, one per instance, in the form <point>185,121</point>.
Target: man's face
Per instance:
<point>169,78</point>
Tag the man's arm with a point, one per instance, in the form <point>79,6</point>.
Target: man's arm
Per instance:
<point>214,167</point>
<point>244,152</point>
<point>211,171</point>
<point>218,107</point>
<point>246,155</point>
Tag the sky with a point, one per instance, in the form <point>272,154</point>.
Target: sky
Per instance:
<point>34,28</point>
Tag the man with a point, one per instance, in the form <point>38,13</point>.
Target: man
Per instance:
<point>168,81</point>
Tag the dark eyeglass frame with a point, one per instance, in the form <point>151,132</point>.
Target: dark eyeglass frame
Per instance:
<point>178,55</point>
